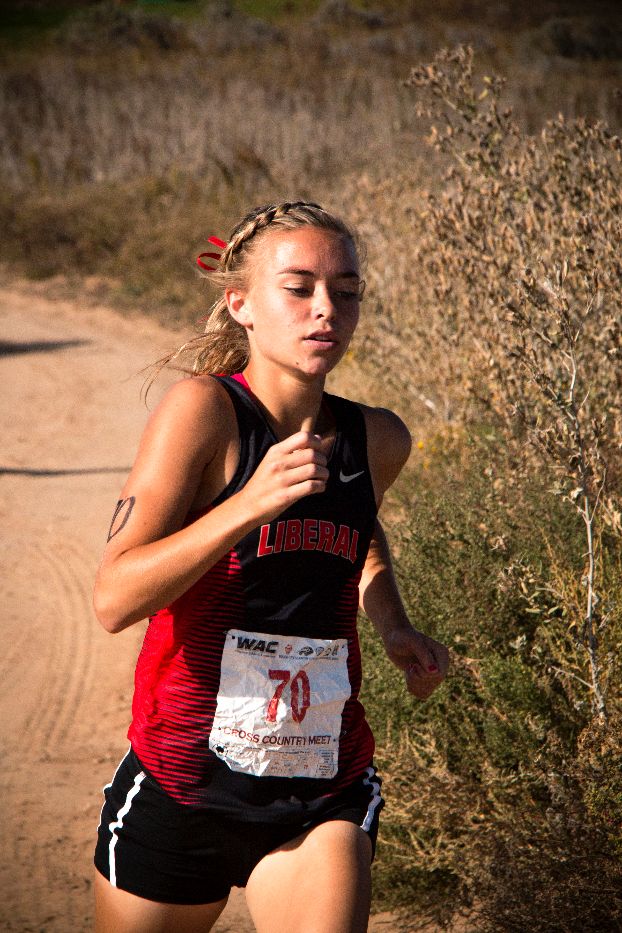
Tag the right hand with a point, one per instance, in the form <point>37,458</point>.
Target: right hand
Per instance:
<point>291,469</point>
<point>423,659</point>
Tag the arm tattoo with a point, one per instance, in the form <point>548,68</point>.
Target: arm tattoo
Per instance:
<point>121,515</point>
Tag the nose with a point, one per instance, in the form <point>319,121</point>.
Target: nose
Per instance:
<point>323,304</point>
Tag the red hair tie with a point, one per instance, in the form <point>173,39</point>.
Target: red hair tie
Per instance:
<point>215,241</point>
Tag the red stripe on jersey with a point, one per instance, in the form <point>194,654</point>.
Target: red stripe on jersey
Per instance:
<point>177,678</point>
<point>178,675</point>
<point>356,745</point>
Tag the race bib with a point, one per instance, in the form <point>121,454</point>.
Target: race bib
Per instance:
<point>279,706</point>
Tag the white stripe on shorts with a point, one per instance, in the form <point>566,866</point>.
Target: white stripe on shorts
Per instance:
<point>113,827</point>
<point>108,786</point>
<point>375,801</point>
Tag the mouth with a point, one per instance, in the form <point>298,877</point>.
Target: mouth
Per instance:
<point>325,338</point>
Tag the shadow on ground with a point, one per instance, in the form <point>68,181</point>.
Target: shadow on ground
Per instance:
<point>25,471</point>
<point>12,348</point>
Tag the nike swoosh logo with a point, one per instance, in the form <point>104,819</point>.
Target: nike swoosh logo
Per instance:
<point>348,478</point>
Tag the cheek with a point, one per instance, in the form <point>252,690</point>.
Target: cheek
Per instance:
<point>275,327</point>
<point>354,319</point>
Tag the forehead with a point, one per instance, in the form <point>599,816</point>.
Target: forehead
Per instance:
<point>315,249</point>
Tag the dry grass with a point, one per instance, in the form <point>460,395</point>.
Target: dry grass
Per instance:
<point>195,120</point>
<point>115,98</point>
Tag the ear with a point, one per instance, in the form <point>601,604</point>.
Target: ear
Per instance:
<point>239,307</point>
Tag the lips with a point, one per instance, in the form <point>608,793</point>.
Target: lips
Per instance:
<point>323,336</point>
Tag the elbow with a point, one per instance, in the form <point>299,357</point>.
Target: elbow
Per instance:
<point>109,614</point>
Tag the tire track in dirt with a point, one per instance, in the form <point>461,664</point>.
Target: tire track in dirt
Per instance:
<point>8,668</point>
<point>48,637</point>
<point>14,645</point>
<point>39,752</point>
<point>70,573</point>
<point>20,851</point>
<point>68,421</point>
<point>43,649</point>
<point>63,634</point>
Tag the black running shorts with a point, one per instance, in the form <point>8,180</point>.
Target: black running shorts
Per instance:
<point>162,850</point>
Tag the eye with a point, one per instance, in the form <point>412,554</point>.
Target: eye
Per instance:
<point>352,292</point>
<point>300,290</point>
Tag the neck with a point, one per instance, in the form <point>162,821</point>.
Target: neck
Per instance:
<point>292,403</point>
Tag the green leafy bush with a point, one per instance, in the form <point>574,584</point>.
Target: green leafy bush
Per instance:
<point>503,792</point>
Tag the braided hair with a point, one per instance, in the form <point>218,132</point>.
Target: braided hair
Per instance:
<point>224,347</point>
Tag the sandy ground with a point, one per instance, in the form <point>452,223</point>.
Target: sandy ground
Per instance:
<point>71,419</point>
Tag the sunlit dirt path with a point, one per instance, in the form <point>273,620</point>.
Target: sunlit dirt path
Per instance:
<point>71,418</point>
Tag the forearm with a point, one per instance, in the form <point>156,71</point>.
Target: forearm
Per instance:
<point>380,598</point>
<point>145,578</point>
<point>423,660</point>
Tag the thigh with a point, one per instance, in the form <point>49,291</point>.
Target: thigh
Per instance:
<point>319,882</point>
<point>118,911</point>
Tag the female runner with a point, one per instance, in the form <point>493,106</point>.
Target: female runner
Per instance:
<point>247,533</point>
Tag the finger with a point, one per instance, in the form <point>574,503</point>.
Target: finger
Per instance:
<point>305,456</point>
<point>308,487</point>
<point>307,471</point>
<point>416,672</point>
<point>412,647</point>
<point>421,686</point>
<point>421,691</point>
<point>307,424</point>
<point>439,655</point>
<point>414,668</point>
<point>297,441</point>
<point>426,656</point>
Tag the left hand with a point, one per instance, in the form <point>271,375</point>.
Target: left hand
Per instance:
<point>423,660</point>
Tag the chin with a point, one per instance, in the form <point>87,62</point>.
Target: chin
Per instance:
<point>317,368</point>
<point>321,365</point>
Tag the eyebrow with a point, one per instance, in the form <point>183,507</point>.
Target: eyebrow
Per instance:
<point>348,274</point>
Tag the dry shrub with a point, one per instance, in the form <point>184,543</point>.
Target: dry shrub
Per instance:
<point>220,29</point>
<point>126,91</point>
<point>580,37</point>
<point>504,790</point>
<point>508,203</point>
<point>520,251</point>
<point>122,165</point>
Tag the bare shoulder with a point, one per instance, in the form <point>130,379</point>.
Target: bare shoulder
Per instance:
<point>388,445</point>
<point>198,395</point>
<point>180,460</point>
<point>189,431</point>
<point>387,435</point>
<point>194,412</point>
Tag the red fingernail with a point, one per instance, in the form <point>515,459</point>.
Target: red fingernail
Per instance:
<point>432,668</point>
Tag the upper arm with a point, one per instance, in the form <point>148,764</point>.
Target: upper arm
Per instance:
<point>179,451</point>
<point>388,447</point>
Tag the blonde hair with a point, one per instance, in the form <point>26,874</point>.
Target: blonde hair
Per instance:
<point>223,347</point>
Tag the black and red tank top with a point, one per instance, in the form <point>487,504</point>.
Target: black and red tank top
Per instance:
<point>246,687</point>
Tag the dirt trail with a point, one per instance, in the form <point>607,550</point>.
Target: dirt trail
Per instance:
<point>71,419</point>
